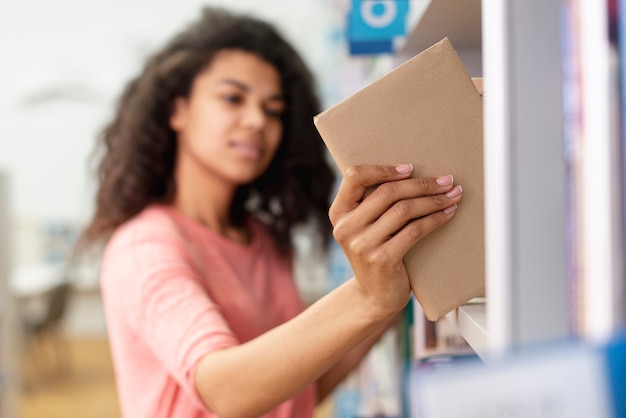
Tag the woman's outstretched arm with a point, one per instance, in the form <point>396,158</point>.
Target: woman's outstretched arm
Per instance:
<point>375,231</point>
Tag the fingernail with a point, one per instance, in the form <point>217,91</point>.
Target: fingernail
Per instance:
<point>449,209</point>
<point>404,168</point>
<point>456,190</point>
<point>445,180</point>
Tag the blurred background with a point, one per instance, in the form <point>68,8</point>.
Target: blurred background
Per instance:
<point>64,64</point>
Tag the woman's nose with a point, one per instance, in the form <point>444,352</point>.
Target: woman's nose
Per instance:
<point>255,116</point>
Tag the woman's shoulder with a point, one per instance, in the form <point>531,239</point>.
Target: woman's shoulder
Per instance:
<point>155,222</point>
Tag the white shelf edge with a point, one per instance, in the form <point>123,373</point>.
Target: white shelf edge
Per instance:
<point>471,320</point>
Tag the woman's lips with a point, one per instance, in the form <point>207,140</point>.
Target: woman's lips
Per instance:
<point>247,149</point>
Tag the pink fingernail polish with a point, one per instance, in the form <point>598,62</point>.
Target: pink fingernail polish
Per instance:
<point>456,190</point>
<point>450,209</point>
<point>404,168</point>
<point>445,180</point>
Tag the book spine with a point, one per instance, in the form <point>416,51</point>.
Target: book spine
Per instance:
<point>596,170</point>
<point>571,149</point>
<point>619,32</point>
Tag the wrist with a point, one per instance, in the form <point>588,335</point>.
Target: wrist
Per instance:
<point>373,308</point>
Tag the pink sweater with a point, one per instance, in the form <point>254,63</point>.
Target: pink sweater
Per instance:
<point>174,291</point>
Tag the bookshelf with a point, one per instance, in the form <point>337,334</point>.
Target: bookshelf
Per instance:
<point>530,292</point>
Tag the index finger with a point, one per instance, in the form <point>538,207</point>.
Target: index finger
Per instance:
<point>357,179</point>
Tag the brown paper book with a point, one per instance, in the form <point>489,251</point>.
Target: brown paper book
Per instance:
<point>427,112</point>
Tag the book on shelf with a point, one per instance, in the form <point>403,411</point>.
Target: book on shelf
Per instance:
<point>572,156</point>
<point>593,153</point>
<point>618,19</point>
<point>436,339</point>
<point>428,112</point>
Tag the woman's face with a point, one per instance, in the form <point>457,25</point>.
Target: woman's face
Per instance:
<point>230,126</point>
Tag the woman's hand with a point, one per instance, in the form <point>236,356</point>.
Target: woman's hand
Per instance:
<point>376,230</point>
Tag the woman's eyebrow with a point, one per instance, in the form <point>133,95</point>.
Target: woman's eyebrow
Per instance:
<point>247,88</point>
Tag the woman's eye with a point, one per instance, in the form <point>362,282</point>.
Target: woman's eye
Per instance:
<point>274,113</point>
<point>232,98</point>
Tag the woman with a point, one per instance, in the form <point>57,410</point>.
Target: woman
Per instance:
<point>209,163</point>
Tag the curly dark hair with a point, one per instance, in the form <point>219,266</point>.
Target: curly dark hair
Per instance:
<point>139,146</point>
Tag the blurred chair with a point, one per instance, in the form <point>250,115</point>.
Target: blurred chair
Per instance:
<point>45,350</point>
